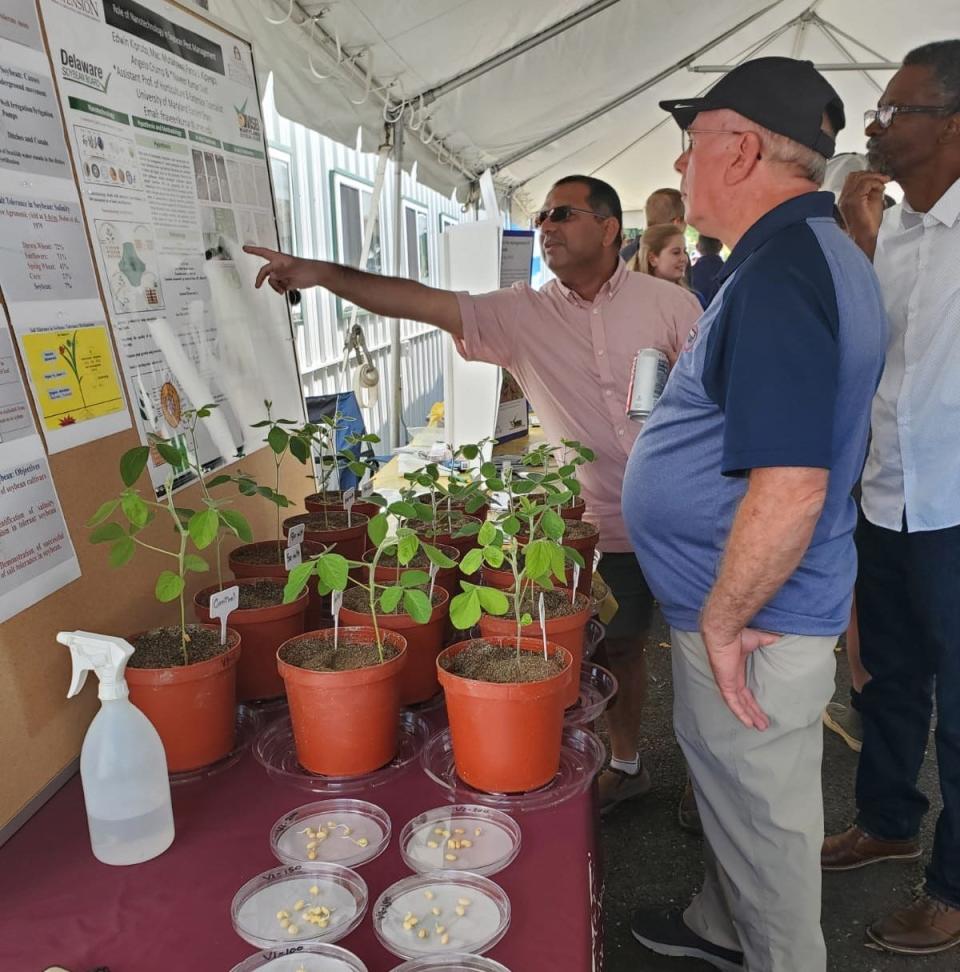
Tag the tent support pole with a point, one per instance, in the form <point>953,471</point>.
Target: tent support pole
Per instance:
<point>396,369</point>
<point>632,93</point>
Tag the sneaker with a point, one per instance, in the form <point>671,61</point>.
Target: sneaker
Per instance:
<point>688,814</point>
<point>666,934</point>
<point>617,786</point>
<point>846,722</point>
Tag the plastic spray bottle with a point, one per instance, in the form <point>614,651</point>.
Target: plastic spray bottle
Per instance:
<point>123,767</point>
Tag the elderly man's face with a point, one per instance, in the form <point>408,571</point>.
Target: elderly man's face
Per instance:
<point>912,139</point>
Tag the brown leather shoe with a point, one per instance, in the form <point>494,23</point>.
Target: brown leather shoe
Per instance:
<point>854,848</point>
<point>923,928</point>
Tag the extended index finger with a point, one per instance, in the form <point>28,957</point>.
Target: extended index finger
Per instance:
<point>261,251</point>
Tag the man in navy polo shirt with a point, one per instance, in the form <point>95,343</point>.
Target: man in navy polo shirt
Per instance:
<point>737,499</point>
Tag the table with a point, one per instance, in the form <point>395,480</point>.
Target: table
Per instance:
<point>63,907</point>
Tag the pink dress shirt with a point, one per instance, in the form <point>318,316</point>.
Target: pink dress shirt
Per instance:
<point>573,359</point>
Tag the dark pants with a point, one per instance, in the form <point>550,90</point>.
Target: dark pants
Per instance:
<point>908,607</point>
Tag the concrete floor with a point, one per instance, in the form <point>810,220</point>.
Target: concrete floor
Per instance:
<point>650,861</point>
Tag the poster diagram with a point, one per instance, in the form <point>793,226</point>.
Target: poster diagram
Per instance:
<point>128,252</point>
<point>106,159</point>
<point>73,375</point>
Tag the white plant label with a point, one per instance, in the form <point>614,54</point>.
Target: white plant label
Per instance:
<point>366,489</point>
<point>292,556</point>
<point>596,559</point>
<point>541,607</point>
<point>576,582</point>
<point>506,472</point>
<point>349,496</point>
<point>434,569</point>
<point>295,536</point>
<point>336,602</point>
<point>221,604</point>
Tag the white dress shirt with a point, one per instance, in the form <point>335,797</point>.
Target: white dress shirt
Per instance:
<point>914,460</point>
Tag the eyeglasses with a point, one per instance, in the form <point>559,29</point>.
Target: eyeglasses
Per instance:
<point>688,134</point>
<point>884,115</point>
<point>560,214</point>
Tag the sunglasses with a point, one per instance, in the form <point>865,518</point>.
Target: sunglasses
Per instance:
<point>560,214</point>
<point>884,115</point>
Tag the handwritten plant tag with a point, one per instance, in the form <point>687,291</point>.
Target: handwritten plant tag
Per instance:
<point>292,556</point>
<point>295,536</point>
<point>222,603</point>
<point>576,582</point>
<point>366,489</point>
<point>336,602</point>
<point>434,569</point>
<point>541,607</point>
<point>349,497</point>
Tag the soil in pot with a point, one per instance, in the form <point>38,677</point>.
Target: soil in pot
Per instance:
<point>262,559</point>
<point>442,532</point>
<point>264,623</point>
<point>192,706</point>
<point>333,500</point>
<point>418,681</point>
<point>389,569</point>
<point>332,527</point>
<point>344,702</point>
<point>506,734</point>
<point>566,620</point>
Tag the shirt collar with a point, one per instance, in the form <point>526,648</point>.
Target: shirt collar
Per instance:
<point>609,288</point>
<point>945,210</point>
<point>807,206</point>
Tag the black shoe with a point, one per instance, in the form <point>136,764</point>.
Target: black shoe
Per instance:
<point>666,934</point>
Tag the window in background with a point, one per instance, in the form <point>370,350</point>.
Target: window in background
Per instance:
<point>416,242</point>
<point>352,201</point>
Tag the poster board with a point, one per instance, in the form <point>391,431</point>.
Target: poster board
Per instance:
<point>40,731</point>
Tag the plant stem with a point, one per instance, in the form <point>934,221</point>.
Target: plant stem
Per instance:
<point>181,556</point>
<point>276,461</point>
<point>150,546</point>
<point>372,596</point>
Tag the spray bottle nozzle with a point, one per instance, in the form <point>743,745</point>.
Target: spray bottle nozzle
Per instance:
<point>104,654</point>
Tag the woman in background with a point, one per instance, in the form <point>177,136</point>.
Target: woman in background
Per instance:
<point>663,254</point>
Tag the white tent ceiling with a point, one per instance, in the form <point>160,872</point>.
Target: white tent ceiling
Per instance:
<point>522,117</point>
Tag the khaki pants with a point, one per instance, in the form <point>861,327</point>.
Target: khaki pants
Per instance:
<point>760,800</point>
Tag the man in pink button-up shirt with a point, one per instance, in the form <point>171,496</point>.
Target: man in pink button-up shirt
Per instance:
<point>571,347</point>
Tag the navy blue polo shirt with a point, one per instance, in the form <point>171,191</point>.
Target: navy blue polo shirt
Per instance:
<point>779,371</point>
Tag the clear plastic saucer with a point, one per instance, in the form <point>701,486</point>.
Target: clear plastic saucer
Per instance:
<point>303,958</point>
<point>597,687</point>
<point>428,705</point>
<point>249,726</point>
<point>593,634</point>
<point>452,963</point>
<point>261,906</point>
<point>430,840</point>
<point>276,752</point>
<point>347,832</point>
<point>581,757</point>
<point>472,912</point>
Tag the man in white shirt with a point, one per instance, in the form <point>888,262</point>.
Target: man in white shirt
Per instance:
<point>908,539</point>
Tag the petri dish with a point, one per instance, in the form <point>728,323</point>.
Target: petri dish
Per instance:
<point>302,958</point>
<point>257,908</point>
<point>431,839</point>
<point>276,752</point>
<point>597,687</point>
<point>452,963</point>
<point>472,912</point>
<point>346,832</point>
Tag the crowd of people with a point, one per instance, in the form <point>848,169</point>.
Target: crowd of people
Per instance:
<point>732,506</point>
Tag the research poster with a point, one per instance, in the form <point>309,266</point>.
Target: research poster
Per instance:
<point>18,23</point>
<point>47,274</point>
<point>164,121</point>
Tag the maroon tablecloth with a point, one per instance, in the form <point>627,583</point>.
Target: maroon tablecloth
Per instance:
<point>60,906</point>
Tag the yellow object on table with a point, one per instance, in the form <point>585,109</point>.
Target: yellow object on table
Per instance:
<point>608,606</point>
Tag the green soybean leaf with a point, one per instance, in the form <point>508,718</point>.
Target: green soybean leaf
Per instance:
<point>169,586</point>
<point>133,463</point>
<point>103,511</point>
<point>134,509</point>
<point>510,526</point>
<point>203,528</point>
<point>486,534</point>
<point>465,609</point>
<point>436,556</point>
<point>574,555</point>
<point>377,529</point>
<point>333,570</point>
<point>493,601</point>
<point>277,439</point>
<point>197,564</point>
<point>552,525</point>
<point>121,551</point>
<point>471,561</point>
<point>417,605</point>
<point>390,598</point>
<point>297,581</point>
<point>494,556</point>
<point>237,523</point>
<point>538,559</point>
<point>106,533</point>
<point>414,578</point>
<point>169,453</point>
<point>402,509</point>
<point>407,548</point>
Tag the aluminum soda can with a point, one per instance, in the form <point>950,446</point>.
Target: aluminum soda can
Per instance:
<point>648,377</point>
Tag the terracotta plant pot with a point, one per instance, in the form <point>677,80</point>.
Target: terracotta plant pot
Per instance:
<point>192,707</point>
<point>574,512</point>
<point>463,544</point>
<point>318,608</point>
<point>263,631</point>
<point>566,631</point>
<point>506,737</point>
<point>333,503</point>
<point>480,513</point>
<point>349,541</point>
<point>345,723</point>
<point>502,580</point>
<point>418,681</point>
<point>447,577</point>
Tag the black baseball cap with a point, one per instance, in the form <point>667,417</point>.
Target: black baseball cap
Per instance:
<point>785,95</point>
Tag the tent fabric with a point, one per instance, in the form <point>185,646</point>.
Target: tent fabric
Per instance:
<point>418,44</point>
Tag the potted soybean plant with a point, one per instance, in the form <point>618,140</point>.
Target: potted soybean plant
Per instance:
<point>180,676</point>
<point>506,693</point>
<point>330,459</point>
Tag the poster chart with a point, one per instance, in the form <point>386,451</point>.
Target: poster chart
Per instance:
<point>46,272</point>
<point>36,553</point>
<point>164,121</point>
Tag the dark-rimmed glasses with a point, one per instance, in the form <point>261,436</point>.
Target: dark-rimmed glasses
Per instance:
<point>885,114</point>
<point>688,134</point>
<point>560,214</point>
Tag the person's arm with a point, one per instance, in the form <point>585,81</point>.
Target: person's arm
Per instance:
<point>386,296</point>
<point>861,205</point>
<point>769,537</point>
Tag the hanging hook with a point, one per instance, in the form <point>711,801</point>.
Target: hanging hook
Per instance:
<point>277,23</point>
<point>313,28</point>
<point>366,93</point>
